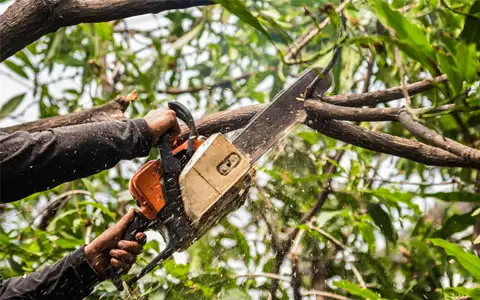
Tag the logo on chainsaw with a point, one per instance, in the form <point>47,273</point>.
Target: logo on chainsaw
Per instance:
<point>228,164</point>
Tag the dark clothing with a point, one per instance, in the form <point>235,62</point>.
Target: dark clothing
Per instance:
<point>70,278</point>
<point>33,162</point>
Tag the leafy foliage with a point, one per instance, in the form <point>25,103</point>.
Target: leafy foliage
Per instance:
<point>379,223</point>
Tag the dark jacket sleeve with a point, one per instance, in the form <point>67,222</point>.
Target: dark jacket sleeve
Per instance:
<point>70,278</point>
<point>34,162</point>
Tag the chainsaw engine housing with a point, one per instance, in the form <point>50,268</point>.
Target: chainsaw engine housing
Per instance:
<point>215,168</point>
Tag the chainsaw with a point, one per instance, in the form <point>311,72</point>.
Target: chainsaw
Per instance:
<point>194,185</point>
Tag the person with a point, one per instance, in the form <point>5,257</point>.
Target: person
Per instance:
<point>34,162</point>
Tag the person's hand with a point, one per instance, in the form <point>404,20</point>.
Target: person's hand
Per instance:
<point>108,249</point>
<point>160,121</point>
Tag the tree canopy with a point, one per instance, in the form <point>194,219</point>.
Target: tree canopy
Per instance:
<point>375,196</point>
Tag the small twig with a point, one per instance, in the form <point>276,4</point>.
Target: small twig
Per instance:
<point>398,59</point>
<point>294,257</point>
<point>344,248</point>
<point>307,38</point>
<point>88,231</point>
<point>253,275</point>
<point>222,83</point>
<point>325,294</point>
<point>368,75</point>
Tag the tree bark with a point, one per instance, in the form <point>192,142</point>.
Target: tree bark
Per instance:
<point>112,110</point>
<point>25,21</point>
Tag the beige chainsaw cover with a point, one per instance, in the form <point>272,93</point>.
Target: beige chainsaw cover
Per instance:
<point>216,167</point>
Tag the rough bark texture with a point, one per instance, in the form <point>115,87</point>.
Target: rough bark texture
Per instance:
<point>25,21</point>
<point>112,110</point>
<point>374,98</point>
<point>423,133</point>
<point>389,144</point>
<point>234,119</point>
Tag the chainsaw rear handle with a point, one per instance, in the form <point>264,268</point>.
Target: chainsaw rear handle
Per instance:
<point>139,224</point>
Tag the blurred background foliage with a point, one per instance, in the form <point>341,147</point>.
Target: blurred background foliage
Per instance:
<point>391,229</point>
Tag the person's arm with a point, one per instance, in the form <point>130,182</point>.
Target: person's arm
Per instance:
<point>34,162</point>
<point>75,276</point>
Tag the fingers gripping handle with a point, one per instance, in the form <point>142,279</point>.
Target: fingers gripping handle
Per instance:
<point>139,224</point>
<point>184,114</point>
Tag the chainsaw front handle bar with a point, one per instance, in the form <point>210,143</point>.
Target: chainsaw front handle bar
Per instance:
<point>171,190</point>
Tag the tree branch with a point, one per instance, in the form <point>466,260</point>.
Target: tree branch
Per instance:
<point>388,144</point>
<point>374,98</point>
<point>329,111</point>
<point>325,294</point>
<point>422,132</point>
<point>222,83</point>
<point>25,21</point>
<point>234,119</point>
<point>112,110</point>
<point>300,43</point>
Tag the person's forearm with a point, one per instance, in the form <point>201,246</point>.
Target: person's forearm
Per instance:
<point>33,162</point>
<point>70,278</point>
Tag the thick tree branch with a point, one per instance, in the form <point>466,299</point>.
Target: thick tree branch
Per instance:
<point>25,21</point>
<point>388,144</point>
<point>112,110</point>
<point>234,119</point>
<point>330,111</point>
<point>422,132</point>
<point>374,98</point>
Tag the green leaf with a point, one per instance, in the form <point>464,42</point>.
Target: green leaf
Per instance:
<point>471,28</point>
<point>67,243</point>
<point>454,224</point>
<point>242,244</point>
<point>99,206</point>
<point>383,221</point>
<point>474,293</point>
<point>11,105</point>
<point>405,30</point>
<point>448,66</point>
<point>89,186</point>
<point>356,290</point>
<point>367,234</point>
<point>23,57</point>
<point>311,137</point>
<point>467,62</point>
<point>187,37</point>
<point>103,30</point>
<point>55,44</point>
<point>15,68</point>
<point>455,196</point>
<point>234,294</point>
<point>239,9</point>
<point>177,270</point>
<point>470,262</point>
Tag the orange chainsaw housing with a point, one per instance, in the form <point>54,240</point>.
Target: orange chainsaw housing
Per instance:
<point>146,184</point>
